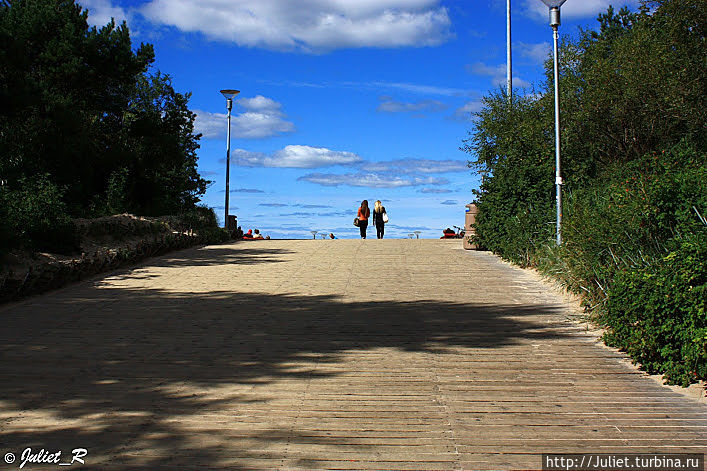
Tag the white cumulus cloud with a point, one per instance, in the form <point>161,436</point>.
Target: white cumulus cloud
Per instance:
<point>370,180</point>
<point>263,118</point>
<point>295,156</point>
<point>311,157</point>
<point>307,25</point>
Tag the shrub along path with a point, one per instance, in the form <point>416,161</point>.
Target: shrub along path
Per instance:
<point>344,354</point>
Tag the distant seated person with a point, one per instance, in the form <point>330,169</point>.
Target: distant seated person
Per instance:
<point>267,237</point>
<point>448,234</point>
<point>331,235</point>
<point>258,235</point>
<point>248,235</point>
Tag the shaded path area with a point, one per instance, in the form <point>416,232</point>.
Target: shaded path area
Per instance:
<point>330,354</point>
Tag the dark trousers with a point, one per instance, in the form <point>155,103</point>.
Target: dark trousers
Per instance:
<point>362,225</point>
<point>380,229</point>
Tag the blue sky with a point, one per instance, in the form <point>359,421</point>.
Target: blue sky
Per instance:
<point>342,100</point>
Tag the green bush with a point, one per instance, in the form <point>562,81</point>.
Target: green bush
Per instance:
<point>37,218</point>
<point>206,216</point>
<point>626,219</point>
<point>117,191</point>
<point>201,217</point>
<point>658,313</point>
<point>120,228</point>
<point>214,235</point>
<point>635,248</point>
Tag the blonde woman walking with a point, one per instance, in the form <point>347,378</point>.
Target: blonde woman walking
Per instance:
<point>378,221</point>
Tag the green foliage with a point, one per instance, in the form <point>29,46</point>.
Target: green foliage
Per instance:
<point>636,85</point>
<point>120,228</point>
<point>80,106</point>
<point>63,87</point>
<point>635,175</point>
<point>627,219</point>
<point>160,150</point>
<point>658,314</point>
<point>116,193</point>
<point>36,215</point>
<point>214,235</point>
<point>206,216</point>
<point>514,200</point>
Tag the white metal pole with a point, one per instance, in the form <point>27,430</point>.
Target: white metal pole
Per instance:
<point>558,174</point>
<point>509,68</point>
<point>228,159</point>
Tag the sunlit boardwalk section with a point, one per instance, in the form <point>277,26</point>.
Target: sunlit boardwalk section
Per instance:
<point>320,354</point>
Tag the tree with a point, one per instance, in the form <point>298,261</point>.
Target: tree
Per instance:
<point>63,88</point>
<point>637,84</point>
<point>83,109</point>
<point>513,145</point>
<point>633,87</point>
<point>160,146</point>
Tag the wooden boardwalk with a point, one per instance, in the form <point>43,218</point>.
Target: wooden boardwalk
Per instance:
<point>309,355</point>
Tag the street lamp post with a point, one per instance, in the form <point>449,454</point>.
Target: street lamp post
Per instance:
<point>554,6</point>
<point>509,67</point>
<point>228,94</point>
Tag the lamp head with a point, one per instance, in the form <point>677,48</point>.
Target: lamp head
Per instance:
<point>554,6</point>
<point>554,3</point>
<point>231,93</point>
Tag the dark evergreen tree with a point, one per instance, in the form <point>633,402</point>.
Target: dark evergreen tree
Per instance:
<point>82,111</point>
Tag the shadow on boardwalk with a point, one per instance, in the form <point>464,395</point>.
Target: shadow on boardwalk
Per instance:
<point>219,255</point>
<point>115,360</point>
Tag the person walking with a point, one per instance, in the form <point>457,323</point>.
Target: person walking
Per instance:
<point>363,214</point>
<point>378,211</point>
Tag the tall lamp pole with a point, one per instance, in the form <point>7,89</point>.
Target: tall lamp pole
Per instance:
<point>509,68</point>
<point>554,6</point>
<point>228,94</point>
